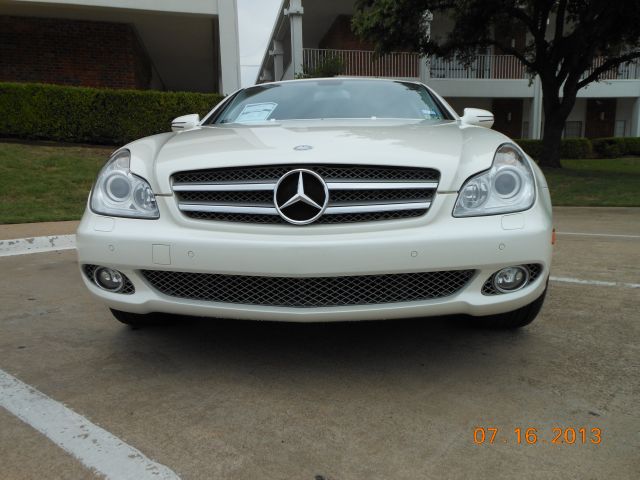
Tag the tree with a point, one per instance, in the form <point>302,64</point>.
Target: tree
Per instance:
<point>325,66</point>
<point>564,37</point>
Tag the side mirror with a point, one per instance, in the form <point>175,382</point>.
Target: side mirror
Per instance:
<point>185,122</point>
<point>477,117</point>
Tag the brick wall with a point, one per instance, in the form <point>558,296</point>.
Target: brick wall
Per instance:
<point>72,52</point>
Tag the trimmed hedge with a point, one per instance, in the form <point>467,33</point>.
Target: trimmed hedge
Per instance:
<point>569,147</point>
<point>608,147</point>
<point>532,147</point>
<point>113,117</point>
<point>92,115</point>
<point>575,148</point>
<point>616,146</point>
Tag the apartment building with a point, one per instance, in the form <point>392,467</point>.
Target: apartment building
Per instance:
<point>308,32</point>
<point>182,45</point>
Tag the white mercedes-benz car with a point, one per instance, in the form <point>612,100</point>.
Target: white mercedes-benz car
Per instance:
<point>321,200</point>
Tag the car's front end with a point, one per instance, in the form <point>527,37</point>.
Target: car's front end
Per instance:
<point>319,221</point>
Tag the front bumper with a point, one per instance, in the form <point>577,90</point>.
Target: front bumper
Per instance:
<point>435,242</point>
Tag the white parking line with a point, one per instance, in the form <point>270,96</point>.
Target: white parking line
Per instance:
<point>598,283</point>
<point>22,246</point>
<point>93,446</point>
<point>613,235</point>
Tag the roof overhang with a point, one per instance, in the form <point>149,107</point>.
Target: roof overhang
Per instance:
<point>197,7</point>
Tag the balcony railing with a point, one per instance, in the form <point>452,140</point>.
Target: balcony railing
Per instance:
<point>627,71</point>
<point>364,63</point>
<point>482,66</point>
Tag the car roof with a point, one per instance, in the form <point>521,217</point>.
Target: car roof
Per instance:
<point>329,79</point>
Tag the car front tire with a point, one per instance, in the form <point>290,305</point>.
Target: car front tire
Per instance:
<point>515,319</point>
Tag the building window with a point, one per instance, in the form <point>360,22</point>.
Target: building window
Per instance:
<point>621,128</point>
<point>572,129</point>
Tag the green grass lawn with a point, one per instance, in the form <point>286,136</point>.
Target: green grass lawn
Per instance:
<point>41,183</point>
<point>610,182</point>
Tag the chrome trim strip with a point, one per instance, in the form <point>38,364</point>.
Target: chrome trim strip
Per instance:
<point>381,185</point>
<point>335,210</point>
<point>187,207</point>
<point>223,187</point>
<point>389,207</point>
<point>249,187</point>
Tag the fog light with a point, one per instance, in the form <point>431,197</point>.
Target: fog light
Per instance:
<point>511,279</point>
<point>108,279</point>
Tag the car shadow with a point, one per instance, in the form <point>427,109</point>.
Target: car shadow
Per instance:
<point>189,344</point>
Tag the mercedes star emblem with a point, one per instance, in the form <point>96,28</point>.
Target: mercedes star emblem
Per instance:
<point>301,196</point>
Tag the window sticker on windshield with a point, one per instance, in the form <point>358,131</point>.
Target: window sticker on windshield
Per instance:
<point>256,112</point>
<point>428,113</point>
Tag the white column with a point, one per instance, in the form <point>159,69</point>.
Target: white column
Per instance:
<point>535,115</point>
<point>229,46</point>
<point>635,118</point>
<point>425,70</point>
<point>294,12</point>
<point>277,53</point>
<point>425,61</point>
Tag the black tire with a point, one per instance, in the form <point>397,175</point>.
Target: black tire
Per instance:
<point>515,319</point>
<point>137,320</point>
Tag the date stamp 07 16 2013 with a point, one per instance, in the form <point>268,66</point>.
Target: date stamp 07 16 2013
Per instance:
<point>536,436</point>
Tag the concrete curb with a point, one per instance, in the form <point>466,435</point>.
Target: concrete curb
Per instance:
<point>28,230</point>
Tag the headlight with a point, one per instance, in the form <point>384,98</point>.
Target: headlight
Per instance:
<point>507,187</point>
<point>120,193</point>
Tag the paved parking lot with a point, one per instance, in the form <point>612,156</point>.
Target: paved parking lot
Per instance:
<point>386,400</point>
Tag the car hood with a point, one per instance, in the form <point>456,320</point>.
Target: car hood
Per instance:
<point>455,150</point>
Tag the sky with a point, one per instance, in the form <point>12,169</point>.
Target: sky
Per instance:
<point>255,22</point>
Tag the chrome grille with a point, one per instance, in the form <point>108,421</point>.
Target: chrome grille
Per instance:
<point>534,269</point>
<point>328,172</point>
<point>264,198</point>
<point>357,193</point>
<point>309,292</point>
<point>395,195</point>
<point>326,219</point>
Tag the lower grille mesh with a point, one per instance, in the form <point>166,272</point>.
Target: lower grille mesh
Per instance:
<point>309,292</point>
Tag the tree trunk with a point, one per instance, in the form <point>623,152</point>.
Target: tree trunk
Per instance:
<point>556,112</point>
<point>551,140</point>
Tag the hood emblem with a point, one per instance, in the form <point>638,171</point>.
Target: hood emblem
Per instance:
<point>301,196</point>
<point>303,148</point>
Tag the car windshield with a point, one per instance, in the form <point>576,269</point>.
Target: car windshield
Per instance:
<point>331,99</point>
